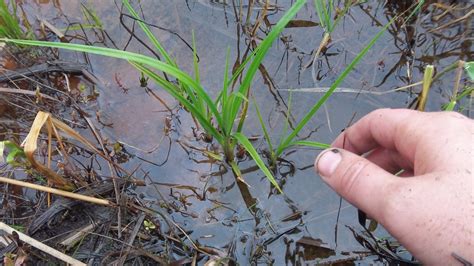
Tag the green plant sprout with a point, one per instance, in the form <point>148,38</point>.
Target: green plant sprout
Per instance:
<point>16,155</point>
<point>89,15</point>
<point>324,9</point>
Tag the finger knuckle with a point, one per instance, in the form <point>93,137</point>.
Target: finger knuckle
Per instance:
<point>453,121</point>
<point>454,115</point>
<point>380,112</point>
<point>350,178</point>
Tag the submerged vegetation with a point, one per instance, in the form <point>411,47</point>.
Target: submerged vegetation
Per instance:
<point>55,152</point>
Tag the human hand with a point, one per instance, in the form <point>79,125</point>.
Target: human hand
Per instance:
<point>429,208</point>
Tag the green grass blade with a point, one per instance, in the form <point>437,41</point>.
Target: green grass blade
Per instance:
<point>318,4</point>
<point>149,34</point>
<point>262,124</point>
<point>133,57</point>
<point>263,49</point>
<point>160,49</point>
<point>258,160</point>
<point>243,113</point>
<point>469,67</point>
<point>450,106</point>
<point>220,100</point>
<point>225,85</point>
<point>324,10</point>
<point>342,76</point>
<point>307,143</point>
<point>327,13</point>
<point>242,66</point>
<point>223,98</point>
<point>231,103</point>
<point>287,120</point>
<point>226,113</point>
<point>91,16</point>
<point>170,88</point>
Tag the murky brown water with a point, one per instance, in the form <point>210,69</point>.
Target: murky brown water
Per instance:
<point>299,226</point>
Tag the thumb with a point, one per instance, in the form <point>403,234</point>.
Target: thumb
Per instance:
<point>356,179</point>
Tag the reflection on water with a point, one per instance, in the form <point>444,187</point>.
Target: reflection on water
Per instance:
<point>156,136</point>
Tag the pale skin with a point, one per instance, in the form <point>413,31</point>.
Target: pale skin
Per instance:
<point>429,208</point>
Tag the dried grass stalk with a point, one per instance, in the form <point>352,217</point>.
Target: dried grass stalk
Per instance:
<point>35,243</point>
<point>30,145</point>
<point>53,127</point>
<point>427,79</point>
<point>75,237</point>
<point>55,191</point>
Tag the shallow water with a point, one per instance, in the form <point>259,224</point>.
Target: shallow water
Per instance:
<point>150,133</point>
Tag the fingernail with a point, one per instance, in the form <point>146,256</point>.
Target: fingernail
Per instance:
<point>327,162</point>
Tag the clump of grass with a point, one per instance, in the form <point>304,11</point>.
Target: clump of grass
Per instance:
<point>221,118</point>
<point>217,117</point>
<point>289,140</point>
<point>328,21</point>
<point>9,22</point>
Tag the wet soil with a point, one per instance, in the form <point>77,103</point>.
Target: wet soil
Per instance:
<point>197,200</point>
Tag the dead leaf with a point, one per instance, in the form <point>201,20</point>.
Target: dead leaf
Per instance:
<point>301,24</point>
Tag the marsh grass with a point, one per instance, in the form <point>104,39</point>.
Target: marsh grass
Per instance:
<point>93,20</point>
<point>9,23</point>
<point>290,139</point>
<point>221,118</point>
<point>217,117</point>
<point>329,17</point>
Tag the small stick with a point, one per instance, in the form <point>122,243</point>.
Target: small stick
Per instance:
<point>32,93</point>
<point>71,240</point>
<point>56,191</point>
<point>138,225</point>
<point>52,28</point>
<point>35,243</point>
<point>458,80</point>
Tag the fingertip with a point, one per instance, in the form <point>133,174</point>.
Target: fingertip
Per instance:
<point>327,162</point>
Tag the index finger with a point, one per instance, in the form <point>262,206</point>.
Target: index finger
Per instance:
<point>400,130</point>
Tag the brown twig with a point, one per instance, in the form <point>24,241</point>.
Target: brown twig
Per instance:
<point>133,235</point>
<point>28,92</point>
